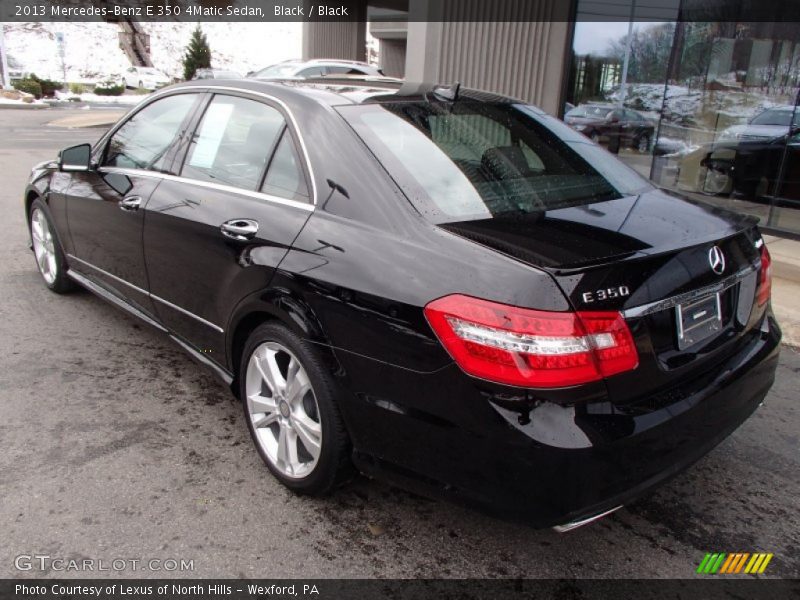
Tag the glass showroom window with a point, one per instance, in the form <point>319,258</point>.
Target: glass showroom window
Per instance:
<point>729,123</point>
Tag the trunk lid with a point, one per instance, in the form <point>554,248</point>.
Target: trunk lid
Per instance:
<point>644,255</point>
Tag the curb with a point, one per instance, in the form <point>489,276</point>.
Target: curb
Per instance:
<point>24,106</point>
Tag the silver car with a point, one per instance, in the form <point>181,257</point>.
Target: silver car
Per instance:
<point>299,69</point>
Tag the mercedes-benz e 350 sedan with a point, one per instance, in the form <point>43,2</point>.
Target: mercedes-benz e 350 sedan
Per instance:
<point>439,286</point>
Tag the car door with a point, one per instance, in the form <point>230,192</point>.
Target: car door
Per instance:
<point>105,205</point>
<point>216,234</point>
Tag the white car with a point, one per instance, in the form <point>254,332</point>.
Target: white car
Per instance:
<point>299,69</point>
<point>148,78</point>
<point>767,125</point>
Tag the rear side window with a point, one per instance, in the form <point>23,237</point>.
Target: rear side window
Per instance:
<point>285,177</point>
<point>469,160</point>
<point>145,139</point>
<point>235,138</point>
<point>312,72</point>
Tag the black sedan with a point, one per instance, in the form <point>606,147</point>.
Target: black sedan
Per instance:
<point>442,287</point>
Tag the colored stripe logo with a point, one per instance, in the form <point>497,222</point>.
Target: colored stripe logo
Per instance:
<point>736,562</point>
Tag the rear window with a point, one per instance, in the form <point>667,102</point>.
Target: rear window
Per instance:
<point>474,160</point>
<point>776,117</point>
<point>595,112</point>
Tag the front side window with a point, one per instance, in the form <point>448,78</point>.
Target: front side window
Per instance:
<point>145,139</point>
<point>474,160</point>
<point>233,142</point>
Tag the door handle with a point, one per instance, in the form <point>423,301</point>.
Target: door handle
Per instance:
<point>239,229</point>
<point>130,203</point>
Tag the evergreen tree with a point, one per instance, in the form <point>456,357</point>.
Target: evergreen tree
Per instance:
<point>198,54</point>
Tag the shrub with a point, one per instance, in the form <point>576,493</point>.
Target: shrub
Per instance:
<point>77,88</point>
<point>109,88</point>
<point>29,86</point>
<point>48,86</point>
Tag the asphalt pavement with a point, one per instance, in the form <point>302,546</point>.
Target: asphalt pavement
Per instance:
<point>116,446</point>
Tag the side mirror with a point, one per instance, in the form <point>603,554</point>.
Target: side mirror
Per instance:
<point>75,158</point>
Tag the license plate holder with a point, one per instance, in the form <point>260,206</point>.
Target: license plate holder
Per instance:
<point>698,320</point>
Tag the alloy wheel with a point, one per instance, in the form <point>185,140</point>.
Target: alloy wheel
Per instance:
<point>283,410</point>
<point>44,246</point>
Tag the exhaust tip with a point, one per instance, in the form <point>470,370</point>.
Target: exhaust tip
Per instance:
<point>575,524</point>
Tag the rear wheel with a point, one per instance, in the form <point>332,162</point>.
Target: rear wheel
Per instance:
<point>290,406</point>
<point>47,250</point>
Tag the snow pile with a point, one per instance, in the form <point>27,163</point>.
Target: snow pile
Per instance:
<point>126,100</point>
<point>696,107</point>
<point>92,50</point>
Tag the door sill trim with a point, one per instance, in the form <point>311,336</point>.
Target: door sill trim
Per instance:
<point>119,302</point>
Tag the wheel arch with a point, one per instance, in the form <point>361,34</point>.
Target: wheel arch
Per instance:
<point>281,306</point>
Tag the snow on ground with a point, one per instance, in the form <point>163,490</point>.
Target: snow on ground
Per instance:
<point>92,50</point>
<point>126,100</point>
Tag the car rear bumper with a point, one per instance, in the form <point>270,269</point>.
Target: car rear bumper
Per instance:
<point>542,462</point>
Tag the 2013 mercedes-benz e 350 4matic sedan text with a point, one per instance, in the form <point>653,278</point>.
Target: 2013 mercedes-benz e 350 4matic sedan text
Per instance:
<point>444,287</point>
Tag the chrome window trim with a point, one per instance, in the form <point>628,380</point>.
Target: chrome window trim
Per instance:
<point>212,88</point>
<point>210,185</point>
<point>146,293</point>
<point>673,301</point>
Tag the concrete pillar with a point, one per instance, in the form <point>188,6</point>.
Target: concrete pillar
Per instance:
<point>523,57</point>
<point>346,40</point>
<point>393,57</point>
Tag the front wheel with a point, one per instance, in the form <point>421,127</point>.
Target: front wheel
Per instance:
<point>290,406</point>
<point>47,250</point>
<point>643,145</point>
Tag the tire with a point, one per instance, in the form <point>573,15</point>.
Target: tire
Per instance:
<point>714,182</point>
<point>299,420</point>
<point>595,137</point>
<point>643,144</point>
<point>141,84</point>
<point>50,259</point>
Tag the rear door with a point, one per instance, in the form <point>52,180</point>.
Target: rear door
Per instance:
<point>105,206</point>
<point>216,233</point>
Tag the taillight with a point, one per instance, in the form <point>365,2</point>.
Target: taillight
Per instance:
<point>531,348</point>
<point>764,277</point>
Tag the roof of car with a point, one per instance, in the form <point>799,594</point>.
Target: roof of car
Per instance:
<point>345,90</point>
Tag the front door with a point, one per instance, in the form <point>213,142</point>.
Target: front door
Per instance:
<point>105,205</point>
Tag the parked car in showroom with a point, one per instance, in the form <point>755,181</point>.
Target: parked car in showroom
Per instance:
<point>319,67</point>
<point>216,74</point>
<point>769,124</point>
<point>603,122</point>
<point>148,78</point>
<point>442,287</point>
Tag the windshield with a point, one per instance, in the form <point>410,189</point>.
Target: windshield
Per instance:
<point>596,112</point>
<point>776,117</point>
<point>277,71</point>
<point>473,160</point>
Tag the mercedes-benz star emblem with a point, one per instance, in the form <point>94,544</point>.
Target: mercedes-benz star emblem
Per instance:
<point>716,259</point>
